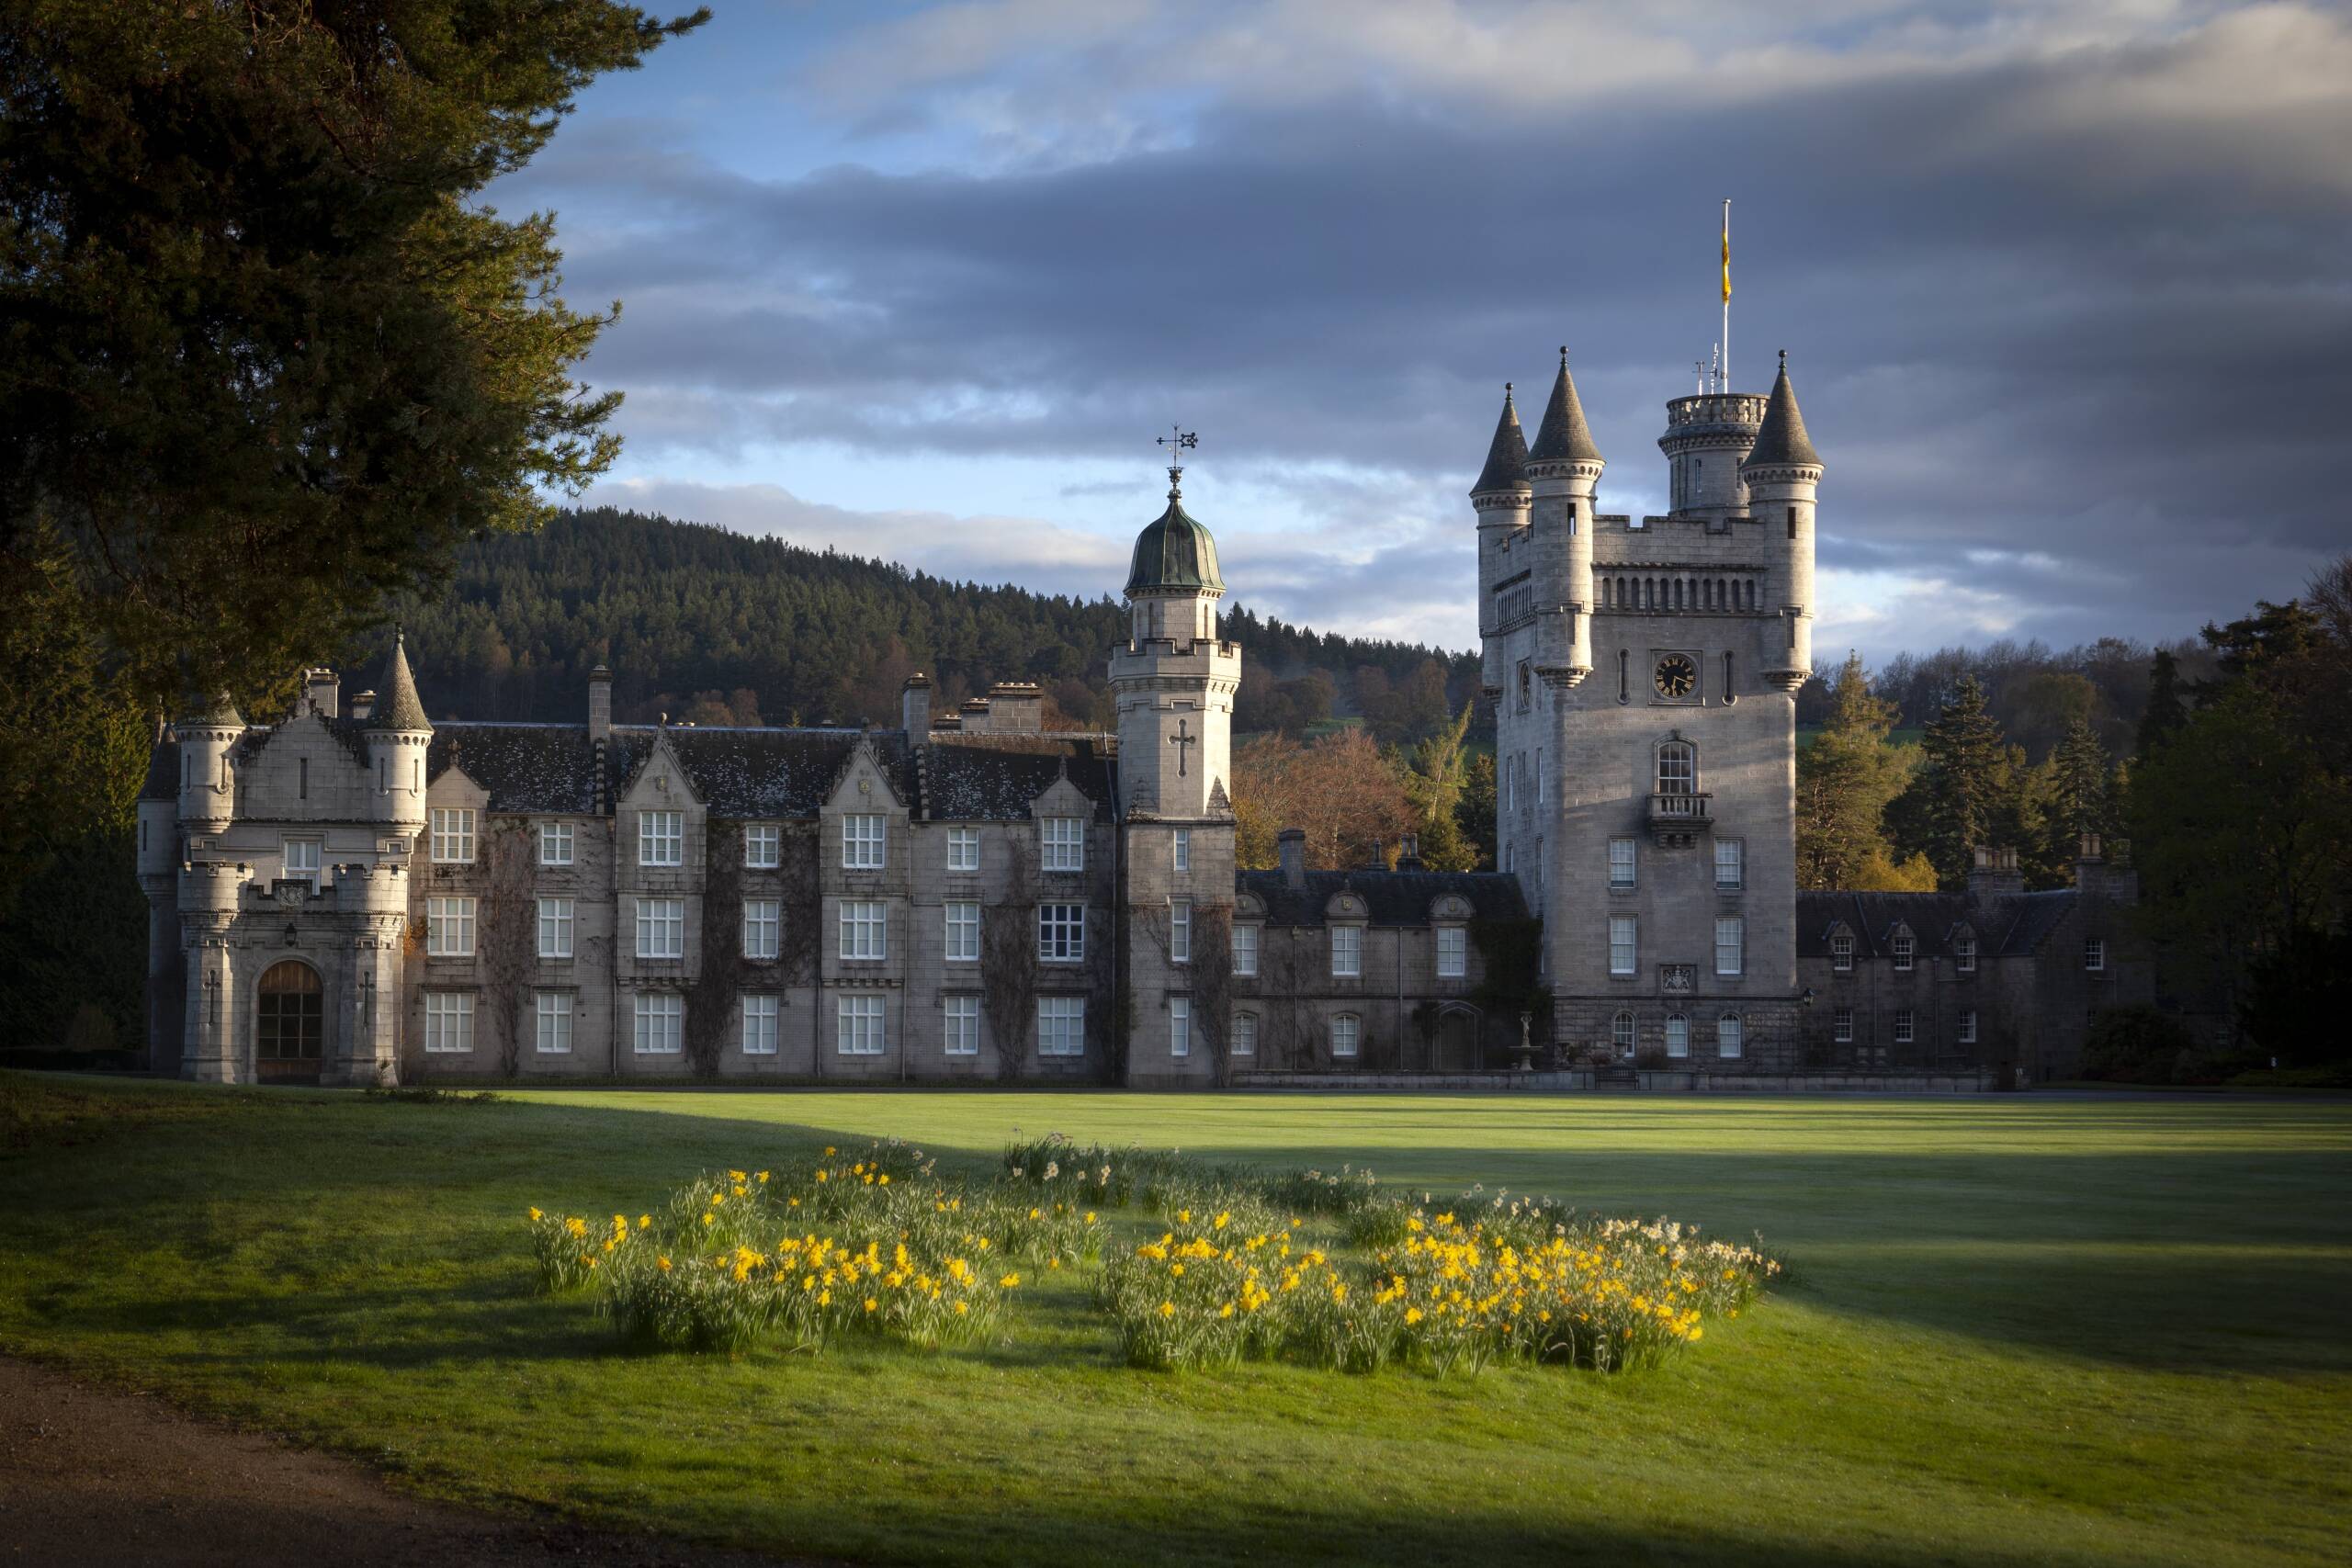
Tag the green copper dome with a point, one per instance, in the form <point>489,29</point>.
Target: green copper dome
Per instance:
<point>1174,553</point>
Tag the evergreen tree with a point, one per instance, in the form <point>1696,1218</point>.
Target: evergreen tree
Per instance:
<point>1435,777</point>
<point>2079,800</point>
<point>2166,711</point>
<point>1845,779</point>
<point>1966,792</point>
<point>1475,814</point>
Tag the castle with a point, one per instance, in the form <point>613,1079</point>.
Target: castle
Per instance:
<point>356,894</point>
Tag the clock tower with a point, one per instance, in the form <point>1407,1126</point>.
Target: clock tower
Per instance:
<point>1643,673</point>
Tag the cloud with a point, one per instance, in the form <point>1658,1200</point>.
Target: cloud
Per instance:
<point>2062,283</point>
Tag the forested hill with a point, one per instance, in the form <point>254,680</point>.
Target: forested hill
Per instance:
<point>718,627</point>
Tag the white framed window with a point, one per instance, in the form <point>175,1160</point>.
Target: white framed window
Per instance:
<point>1622,862</point>
<point>1621,1033</point>
<point>1963,952</point>
<point>661,838</point>
<point>1967,1026</point>
<point>759,1037</point>
<point>1180,1026</point>
<point>1245,1034</point>
<point>449,1021</point>
<point>661,1023</point>
<point>1841,952</point>
<point>1347,1035</point>
<point>660,928</point>
<point>1062,842</point>
<point>1902,950</point>
<point>1452,953</point>
<point>449,928</point>
<point>857,1026</point>
<point>1245,950</point>
<point>556,920</point>
<point>861,842</point>
<point>2093,953</point>
<point>1905,1026</point>
<point>1347,951</point>
<point>1841,1027</point>
<point>1731,939</point>
<point>1179,849</point>
<point>1180,930</point>
<point>864,931</point>
<point>1677,1035</point>
<point>763,846</point>
<point>1061,933</point>
<point>1623,953</point>
<point>963,932</point>
<point>762,929</point>
<point>1061,1026</point>
<point>552,1011</point>
<point>1730,864</point>
<point>554,844</point>
<point>963,1026</point>
<point>963,849</point>
<point>1729,1036</point>
<point>302,861</point>
<point>453,835</point>
<point>1678,767</point>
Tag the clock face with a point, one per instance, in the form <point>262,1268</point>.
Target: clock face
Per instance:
<point>1676,675</point>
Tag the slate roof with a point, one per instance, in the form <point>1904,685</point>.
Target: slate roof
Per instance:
<point>525,767</point>
<point>1780,441</point>
<point>1391,898</point>
<point>753,773</point>
<point>995,777</point>
<point>401,707</point>
<point>1174,551</point>
<point>216,709</point>
<point>1506,455</point>
<point>2007,926</point>
<point>163,772</point>
<point>1564,436</point>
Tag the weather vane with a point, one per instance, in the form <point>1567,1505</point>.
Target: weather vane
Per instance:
<point>1178,441</point>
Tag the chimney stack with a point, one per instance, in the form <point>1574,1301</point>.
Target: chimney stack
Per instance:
<point>1409,852</point>
<point>914,706</point>
<point>1016,707</point>
<point>1993,875</point>
<point>362,705</point>
<point>600,703</point>
<point>1291,843</point>
<point>2090,867</point>
<point>323,688</point>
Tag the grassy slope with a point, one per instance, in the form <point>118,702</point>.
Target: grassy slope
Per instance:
<point>2020,1330</point>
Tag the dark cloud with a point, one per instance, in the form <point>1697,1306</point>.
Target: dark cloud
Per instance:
<point>2068,321</point>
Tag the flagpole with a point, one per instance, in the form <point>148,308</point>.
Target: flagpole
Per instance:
<point>1726,381</point>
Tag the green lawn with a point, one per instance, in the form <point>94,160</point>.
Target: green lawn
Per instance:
<point>2017,1330</point>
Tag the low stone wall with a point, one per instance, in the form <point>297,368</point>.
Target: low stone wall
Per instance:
<point>1661,1082</point>
<point>1820,1083</point>
<point>1417,1083</point>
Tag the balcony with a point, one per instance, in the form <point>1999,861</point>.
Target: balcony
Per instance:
<point>1678,819</point>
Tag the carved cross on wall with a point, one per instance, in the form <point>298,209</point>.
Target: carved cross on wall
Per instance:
<point>1183,742</point>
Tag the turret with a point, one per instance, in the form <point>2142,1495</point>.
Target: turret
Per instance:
<point>1174,680</point>
<point>398,734</point>
<point>159,852</point>
<point>1564,470</point>
<point>1784,475</point>
<point>208,730</point>
<point>1500,498</point>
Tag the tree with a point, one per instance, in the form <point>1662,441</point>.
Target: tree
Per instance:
<point>2166,712</point>
<point>1845,779</point>
<point>2080,776</point>
<point>1966,791</point>
<point>1341,791</point>
<point>266,357</point>
<point>1474,813</point>
<point>1435,777</point>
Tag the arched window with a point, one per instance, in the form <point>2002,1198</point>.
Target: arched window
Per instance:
<point>289,1021</point>
<point>1727,688</point>
<point>1728,1038</point>
<point>1678,1034</point>
<point>1621,1033</point>
<point>1678,767</point>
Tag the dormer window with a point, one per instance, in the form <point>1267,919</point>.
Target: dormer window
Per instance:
<point>1963,952</point>
<point>1063,844</point>
<point>861,842</point>
<point>1841,952</point>
<point>1902,949</point>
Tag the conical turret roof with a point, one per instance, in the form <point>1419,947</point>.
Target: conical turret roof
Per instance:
<point>1780,441</point>
<point>1564,436</point>
<point>215,711</point>
<point>401,707</point>
<point>1174,551</point>
<point>1506,455</point>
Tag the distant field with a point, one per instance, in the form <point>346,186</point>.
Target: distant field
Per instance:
<point>2073,1331</point>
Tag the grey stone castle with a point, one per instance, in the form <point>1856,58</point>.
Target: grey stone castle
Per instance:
<point>356,894</point>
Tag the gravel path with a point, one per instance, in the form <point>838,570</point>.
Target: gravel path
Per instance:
<point>94,1477</point>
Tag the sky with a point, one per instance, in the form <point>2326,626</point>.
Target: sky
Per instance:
<point>2065,286</point>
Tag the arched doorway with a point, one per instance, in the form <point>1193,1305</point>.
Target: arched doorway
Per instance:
<point>289,1025</point>
<point>1458,1049</point>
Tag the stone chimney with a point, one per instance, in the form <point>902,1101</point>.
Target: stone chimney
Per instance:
<point>1409,852</point>
<point>1291,844</point>
<point>2090,867</point>
<point>973,717</point>
<point>600,703</point>
<point>1995,875</point>
<point>323,690</point>
<point>362,705</point>
<point>914,706</point>
<point>1016,707</point>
